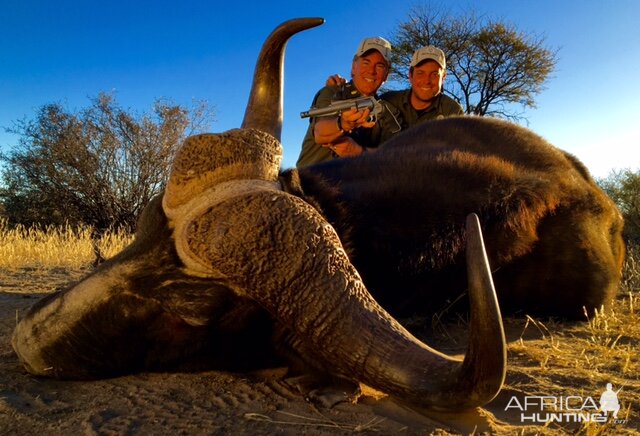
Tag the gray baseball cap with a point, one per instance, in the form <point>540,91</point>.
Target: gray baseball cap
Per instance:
<point>429,52</point>
<point>375,43</point>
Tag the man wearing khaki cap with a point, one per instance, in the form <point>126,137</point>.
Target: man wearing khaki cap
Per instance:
<point>351,132</point>
<point>424,100</point>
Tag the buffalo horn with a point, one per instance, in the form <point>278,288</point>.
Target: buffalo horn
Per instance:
<point>264,109</point>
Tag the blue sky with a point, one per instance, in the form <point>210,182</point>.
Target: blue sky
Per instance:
<point>69,50</point>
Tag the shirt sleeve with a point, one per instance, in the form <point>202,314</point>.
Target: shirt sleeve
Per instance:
<point>323,98</point>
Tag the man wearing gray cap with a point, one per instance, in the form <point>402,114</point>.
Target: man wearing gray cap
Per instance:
<point>351,132</point>
<point>424,100</point>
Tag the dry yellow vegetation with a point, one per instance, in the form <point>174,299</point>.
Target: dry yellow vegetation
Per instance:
<point>54,247</point>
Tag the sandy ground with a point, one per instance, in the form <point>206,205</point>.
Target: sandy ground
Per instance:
<point>268,402</point>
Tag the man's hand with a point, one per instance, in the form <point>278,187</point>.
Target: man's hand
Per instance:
<point>335,80</point>
<point>352,118</point>
<point>345,146</point>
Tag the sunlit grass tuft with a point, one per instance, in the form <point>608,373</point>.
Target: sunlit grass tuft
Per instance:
<point>55,247</point>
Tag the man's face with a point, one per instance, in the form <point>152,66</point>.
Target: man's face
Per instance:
<point>369,72</point>
<point>426,80</point>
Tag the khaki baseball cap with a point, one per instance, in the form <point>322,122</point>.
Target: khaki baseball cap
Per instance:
<point>429,52</point>
<point>376,43</point>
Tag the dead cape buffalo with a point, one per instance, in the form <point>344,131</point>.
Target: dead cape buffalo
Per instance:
<point>238,262</point>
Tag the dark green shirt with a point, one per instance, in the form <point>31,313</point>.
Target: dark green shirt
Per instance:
<point>443,106</point>
<point>370,138</point>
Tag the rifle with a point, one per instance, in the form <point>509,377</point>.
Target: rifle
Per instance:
<point>337,107</point>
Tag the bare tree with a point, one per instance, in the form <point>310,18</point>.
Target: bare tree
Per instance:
<point>97,167</point>
<point>492,68</point>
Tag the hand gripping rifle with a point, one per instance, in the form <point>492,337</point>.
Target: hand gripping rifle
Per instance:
<point>337,107</point>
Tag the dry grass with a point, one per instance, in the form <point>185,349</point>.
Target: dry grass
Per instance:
<point>54,247</point>
<point>560,358</point>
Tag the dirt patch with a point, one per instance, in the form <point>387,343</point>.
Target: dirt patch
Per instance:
<point>552,360</point>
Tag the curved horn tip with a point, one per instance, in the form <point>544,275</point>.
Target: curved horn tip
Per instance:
<point>472,221</point>
<point>264,108</point>
<point>487,347</point>
<point>305,22</point>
